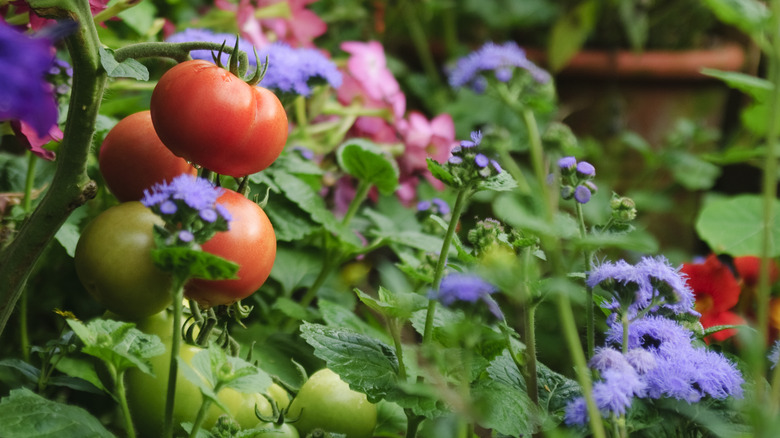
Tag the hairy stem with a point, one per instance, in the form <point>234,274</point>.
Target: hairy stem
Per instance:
<point>70,186</point>
<point>173,366</point>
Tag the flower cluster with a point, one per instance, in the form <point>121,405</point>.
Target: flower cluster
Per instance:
<point>435,206</point>
<point>468,162</point>
<point>501,59</point>
<point>464,290</point>
<point>647,286</point>
<point>189,207</point>
<point>577,179</point>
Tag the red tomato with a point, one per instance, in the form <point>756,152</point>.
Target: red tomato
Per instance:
<point>132,158</point>
<point>209,116</point>
<point>250,242</point>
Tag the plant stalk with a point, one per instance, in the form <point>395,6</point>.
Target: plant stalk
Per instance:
<point>173,367</point>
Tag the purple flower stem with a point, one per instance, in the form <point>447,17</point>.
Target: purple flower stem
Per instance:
<point>590,324</point>
<point>71,187</point>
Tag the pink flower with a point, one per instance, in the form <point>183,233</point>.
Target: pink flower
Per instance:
<point>367,66</point>
<point>30,138</point>
<point>301,28</point>
<point>426,139</point>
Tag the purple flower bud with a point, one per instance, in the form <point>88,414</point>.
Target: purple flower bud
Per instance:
<point>504,74</point>
<point>423,205</point>
<point>496,166</point>
<point>223,211</point>
<point>481,160</point>
<point>168,207</point>
<point>455,160</point>
<point>585,169</point>
<point>582,194</point>
<point>567,163</point>
<point>186,236</point>
<point>208,215</point>
<point>441,205</point>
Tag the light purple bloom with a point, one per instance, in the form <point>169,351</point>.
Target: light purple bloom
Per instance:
<point>585,169</point>
<point>481,160</point>
<point>606,358</point>
<point>669,282</point>
<point>614,394</point>
<point>496,166</point>
<point>295,70</point>
<point>25,94</point>
<point>501,59</point>
<point>641,360</point>
<point>168,207</point>
<point>774,354</point>
<point>582,194</point>
<point>441,205</point>
<point>576,412</point>
<point>567,163</point>
<point>205,35</point>
<point>692,374</point>
<point>457,287</point>
<point>223,211</point>
<point>208,214</point>
<point>186,236</point>
<point>424,205</point>
<point>476,139</point>
<point>455,159</point>
<point>196,193</point>
<point>661,336</point>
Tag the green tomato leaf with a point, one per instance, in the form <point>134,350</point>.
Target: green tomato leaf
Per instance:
<point>395,304</point>
<point>506,409</point>
<point>294,268</point>
<point>194,263</point>
<point>366,162</point>
<point>24,414</point>
<point>735,226</point>
<point>290,221</point>
<point>366,364</point>
<point>118,343</point>
<point>129,68</point>
<point>338,315</point>
<point>198,373</point>
<point>81,368</point>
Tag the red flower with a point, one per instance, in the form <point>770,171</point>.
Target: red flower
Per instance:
<point>716,291</point>
<point>748,268</point>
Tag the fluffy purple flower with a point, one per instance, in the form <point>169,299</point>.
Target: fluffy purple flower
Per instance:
<point>168,207</point>
<point>25,94</point>
<point>576,413</point>
<point>496,166</point>
<point>455,159</point>
<point>608,358</point>
<point>466,288</point>
<point>641,360</point>
<point>295,70</point>
<point>774,354</point>
<point>582,194</point>
<point>693,374</point>
<point>668,282</point>
<point>500,59</point>
<point>661,336</point>
<point>208,214</point>
<point>223,211</point>
<point>614,394</point>
<point>476,139</point>
<point>196,193</point>
<point>481,160</point>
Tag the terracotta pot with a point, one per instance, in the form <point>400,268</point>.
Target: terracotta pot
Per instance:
<point>605,92</point>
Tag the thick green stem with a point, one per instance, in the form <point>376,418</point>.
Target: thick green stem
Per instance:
<point>173,366</point>
<point>70,186</point>
<point>121,394</point>
<point>204,407</point>
<point>24,333</point>
<point>360,195</point>
<point>530,353</point>
<point>177,51</point>
<point>457,210</point>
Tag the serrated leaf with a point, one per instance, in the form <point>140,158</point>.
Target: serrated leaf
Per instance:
<point>290,221</point>
<point>24,414</point>
<point>129,68</point>
<point>118,343</point>
<point>395,304</point>
<point>337,315</point>
<point>194,263</point>
<point>439,172</point>
<point>505,409</point>
<point>501,182</point>
<point>735,226</point>
<point>294,268</point>
<point>197,374</point>
<point>365,161</point>
<point>366,364</point>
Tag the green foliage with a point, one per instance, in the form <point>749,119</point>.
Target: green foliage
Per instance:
<point>735,226</point>
<point>194,263</point>
<point>365,161</point>
<point>23,412</point>
<point>129,68</point>
<point>118,344</point>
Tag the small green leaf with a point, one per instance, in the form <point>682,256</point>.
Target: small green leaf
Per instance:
<point>753,86</point>
<point>394,304</point>
<point>505,409</point>
<point>502,182</point>
<point>366,364</point>
<point>24,414</point>
<point>294,268</point>
<point>129,68</point>
<point>195,263</point>
<point>366,162</point>
<point>439,172</point>
<point>30,372</point>
<point>735,226</point>
<point>118,343</point>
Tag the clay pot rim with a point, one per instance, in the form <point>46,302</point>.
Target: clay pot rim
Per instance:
<point>651,64</point>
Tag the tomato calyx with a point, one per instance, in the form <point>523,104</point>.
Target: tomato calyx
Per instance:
<point>233,64</point>
<point>211,325</point>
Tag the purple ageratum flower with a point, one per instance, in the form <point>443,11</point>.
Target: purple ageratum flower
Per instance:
<point>567,163</point>
<point>496,166</point>
<point>582,194</point>
<point>614,394</point>
<point>441,205</point>
<point>424,205</point>
<point>455,159</point>
<point>606,358</point>
<point>585,169</point>
<point>223,211</point>
<point>186,236</point>
<point>196,193</point>
<point>774,354</point>
<point>661,336</point>
<point>668,282</point>
<point>476,139</point>
<point>294,70</point>
<point>501,59</point>
<point>481,160</point>
<point>208,215</point>
<point>26,95</point>
<point>576,413</point>
<point>641,360</point>
<point>692,374</point>
<point>168,207</point>
<point>468,288</point>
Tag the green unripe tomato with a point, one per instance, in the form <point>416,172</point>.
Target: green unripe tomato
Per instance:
<point>327,402</point>
<point>114,263</point>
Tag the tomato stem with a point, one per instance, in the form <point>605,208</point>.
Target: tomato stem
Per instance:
<point>178,296</point>
<point>121,394</point>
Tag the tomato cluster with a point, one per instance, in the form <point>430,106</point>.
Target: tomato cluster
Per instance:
<point>201,115</point>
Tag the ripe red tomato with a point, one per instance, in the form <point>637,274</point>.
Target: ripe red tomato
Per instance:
<point>250,242</point>
<point>132,158</point>
<point>209,116</point>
